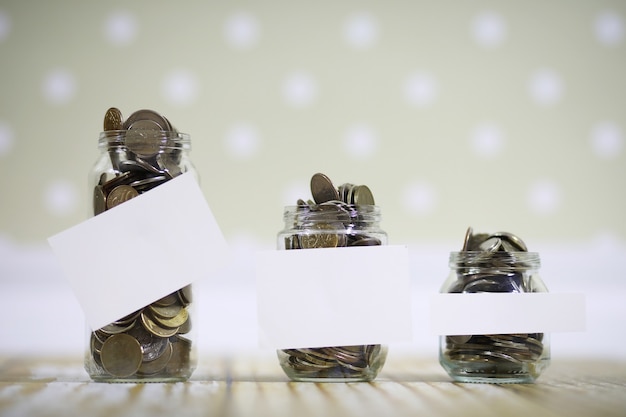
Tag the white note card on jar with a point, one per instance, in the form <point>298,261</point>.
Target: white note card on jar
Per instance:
<point>152,245</point>
<point>333,296</point>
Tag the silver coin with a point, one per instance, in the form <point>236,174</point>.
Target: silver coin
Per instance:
<point>147,120</point>
<point>362,196</point>
<point>512,241</point>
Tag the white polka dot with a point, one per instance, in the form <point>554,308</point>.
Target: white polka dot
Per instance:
<point>544,197</point>
<point>180,87</point>
<point>360,141</point>
<point>299,89</point>
<point>420,198</point>
<point>607,140</point>
<point>59,86</point>
<point>60,198</point>
<point>360,31</point>
<point>5,25</point>
<point>421,89</point>
<point>489,29</point>
<point>546,87</point>
<point>294,190</point>
<point>242,30</point>
<point>7,139</point>
<point>242,141</point>
<point>609,28</point>
<point>120,27</point>
<point>487,140</point>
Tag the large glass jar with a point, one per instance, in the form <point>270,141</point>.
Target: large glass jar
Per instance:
<point>331,224</point>
<point>497,263</point>
<point>156,342</point>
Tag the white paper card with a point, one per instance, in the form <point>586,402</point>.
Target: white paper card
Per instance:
<point>491,313</point>
<point>333,296</point>
<point>141,250</point>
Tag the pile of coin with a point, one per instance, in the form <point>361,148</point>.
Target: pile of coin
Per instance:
<point>492,264</point>
<point>338,362</point>
<point>334,218</point>
<point>144,153</point>
<point>147,343</point>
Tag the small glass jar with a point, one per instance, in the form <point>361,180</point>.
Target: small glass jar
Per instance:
<point>156,342</point>
<point>333,224</point>
<point>494,358</point>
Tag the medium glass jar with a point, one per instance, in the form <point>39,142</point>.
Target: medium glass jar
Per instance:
<point>494,358</point>
<point>332,224</point>
<point>156,342</point>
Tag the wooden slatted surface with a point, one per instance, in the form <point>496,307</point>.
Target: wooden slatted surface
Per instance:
<point>254,385</point>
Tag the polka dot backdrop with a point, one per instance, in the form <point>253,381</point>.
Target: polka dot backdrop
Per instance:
<point>496,115</point>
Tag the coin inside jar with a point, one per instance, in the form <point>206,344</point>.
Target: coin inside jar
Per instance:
<point>121,355</point>
<point>120,194</point>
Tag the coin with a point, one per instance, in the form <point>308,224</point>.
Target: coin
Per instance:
<point>151,326</point>
<point>514,241</point>
<point>362,195</point>
<point>144,143</point>
<point>113,119</point>
<point>142,119</point>
<point>173,322</point>
<point>121,355</point>
<point>319,240</point>
<point>322,189</point>
<point>158,364</point>
<point>99,200</point>
<point>466,240</point>
<point>120,194</point>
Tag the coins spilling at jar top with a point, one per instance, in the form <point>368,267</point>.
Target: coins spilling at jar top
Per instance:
<point>144,151</point>
<point>493,266</point>
<point>335,217</point>
<point>147,343</point>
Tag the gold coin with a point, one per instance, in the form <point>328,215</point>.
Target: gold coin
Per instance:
<point>166,312</point>
<point>113,119</point>
<point>150,325</point>
<point>180,361</point>
<point>167,300</point>
<point>319,240</point>
<point>121,355</point>
<point>120,194</point>
<point>174,322</point>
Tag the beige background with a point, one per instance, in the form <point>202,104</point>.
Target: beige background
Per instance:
<point>211,67</point>
<point>501,115</point>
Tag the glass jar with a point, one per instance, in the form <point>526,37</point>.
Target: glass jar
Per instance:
<point>156,342</point>
<point>332,224</point>
<point>494,358</point>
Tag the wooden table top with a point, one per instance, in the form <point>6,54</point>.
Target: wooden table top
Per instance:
<point>254,385</point>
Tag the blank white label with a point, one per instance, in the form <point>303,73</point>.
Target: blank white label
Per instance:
<point>490,313</point>
<point>333,296</point>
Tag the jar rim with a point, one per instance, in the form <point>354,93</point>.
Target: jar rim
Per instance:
<point>167,138</point>
<point>463,259</point>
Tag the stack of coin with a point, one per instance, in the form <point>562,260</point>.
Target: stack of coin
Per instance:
<point>148,343</point>
<point>334,218</point>
<point>144,153</point>
<point>491,263</point>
